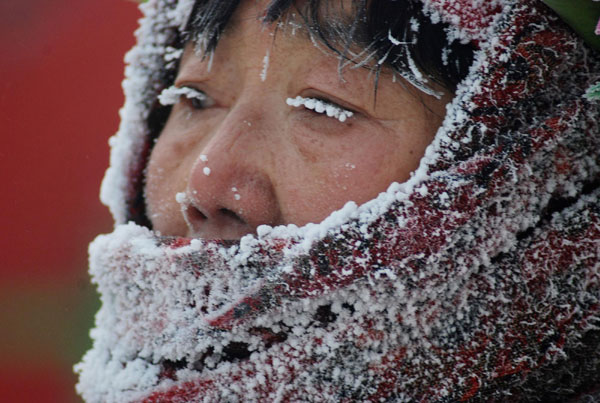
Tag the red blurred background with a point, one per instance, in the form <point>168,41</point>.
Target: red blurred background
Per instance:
<point>61,66</point>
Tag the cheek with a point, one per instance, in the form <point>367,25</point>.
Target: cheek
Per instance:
<point>165,177</point>
<point>355,166</point>
<point>159,193</point>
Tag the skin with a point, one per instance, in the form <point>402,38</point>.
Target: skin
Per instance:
<point>287,164</point>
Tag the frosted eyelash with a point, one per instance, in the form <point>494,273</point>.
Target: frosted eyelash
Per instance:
<point>319,106</point>
<point>171,95</point>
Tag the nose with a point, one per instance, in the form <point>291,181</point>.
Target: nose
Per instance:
<point>229,190</point>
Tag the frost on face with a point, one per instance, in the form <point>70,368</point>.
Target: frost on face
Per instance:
<point>171,95</point>
<point>320,106</point>
<point>265,69</point>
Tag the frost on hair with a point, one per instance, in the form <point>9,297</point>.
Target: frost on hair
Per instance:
<point>393,34</point>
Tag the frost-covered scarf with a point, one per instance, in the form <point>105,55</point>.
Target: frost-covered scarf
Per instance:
<point>478,278</point>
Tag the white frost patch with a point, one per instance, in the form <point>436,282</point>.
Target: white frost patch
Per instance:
<point>263,73</point>
<point>172,55</point>
<point>180,14</point>
<point>320,106</point>
<point>263,230</point>
<point>397,42</point>
<point>414,25</point>
<point>206,171</point>
<point>211,58</point>
<point>181,198</point>
<point>171,95</point>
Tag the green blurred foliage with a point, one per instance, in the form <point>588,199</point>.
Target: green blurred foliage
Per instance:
<point>47,329</point>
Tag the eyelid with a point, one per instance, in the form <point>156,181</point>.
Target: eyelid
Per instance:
<point>321,106</point>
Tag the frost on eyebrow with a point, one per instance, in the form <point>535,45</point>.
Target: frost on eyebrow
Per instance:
<point>170,96</point>
<point>320,107</point>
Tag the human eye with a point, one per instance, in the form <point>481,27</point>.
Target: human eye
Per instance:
<point>331,109</point>
<point>197,99</point>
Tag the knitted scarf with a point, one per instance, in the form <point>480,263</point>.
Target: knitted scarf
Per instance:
<point>478,279</point>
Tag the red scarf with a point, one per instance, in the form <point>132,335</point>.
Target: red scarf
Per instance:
<point>478,279</point>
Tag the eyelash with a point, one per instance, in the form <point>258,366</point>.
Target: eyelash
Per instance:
<point>332,110</point>
<point>197,99</point>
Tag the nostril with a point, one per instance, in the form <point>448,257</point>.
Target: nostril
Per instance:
<point>230,214</point>
<point>194,214</point>
<point>194,218</point>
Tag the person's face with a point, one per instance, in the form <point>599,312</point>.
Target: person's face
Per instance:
<point>245,157</point>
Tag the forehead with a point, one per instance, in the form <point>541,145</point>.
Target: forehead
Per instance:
<point>317,20</point>
<point>248,31</point>
<point>327,28</point>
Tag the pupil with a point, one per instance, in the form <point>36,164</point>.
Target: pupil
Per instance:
<point>197,103</point>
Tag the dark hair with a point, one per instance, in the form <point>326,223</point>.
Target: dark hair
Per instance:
<point>387,32</point>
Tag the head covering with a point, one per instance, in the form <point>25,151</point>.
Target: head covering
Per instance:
<point>477,279</point>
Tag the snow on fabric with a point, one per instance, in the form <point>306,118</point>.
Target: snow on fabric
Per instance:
<point>478,278</point>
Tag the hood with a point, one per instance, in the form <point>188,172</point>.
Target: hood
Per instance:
<point>476,279</point>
